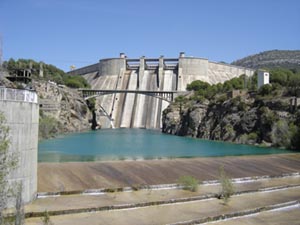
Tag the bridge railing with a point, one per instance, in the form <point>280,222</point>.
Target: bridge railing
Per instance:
<point>10,94</point>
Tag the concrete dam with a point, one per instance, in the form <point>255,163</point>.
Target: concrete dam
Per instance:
<point>135,110</point>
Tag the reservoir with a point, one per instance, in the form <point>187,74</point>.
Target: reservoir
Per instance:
<point>137,144</point>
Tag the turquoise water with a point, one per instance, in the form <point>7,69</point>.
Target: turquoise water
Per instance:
<point>135,144</point>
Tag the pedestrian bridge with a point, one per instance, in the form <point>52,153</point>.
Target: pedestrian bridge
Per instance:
<point>168,96</point>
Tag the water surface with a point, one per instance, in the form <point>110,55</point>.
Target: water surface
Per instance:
<point>136,144</point>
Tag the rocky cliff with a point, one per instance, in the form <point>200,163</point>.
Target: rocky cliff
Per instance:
<point>243,119</point>
<point>62,109</point>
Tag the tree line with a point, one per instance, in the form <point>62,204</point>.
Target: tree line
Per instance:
<point>50,72</point>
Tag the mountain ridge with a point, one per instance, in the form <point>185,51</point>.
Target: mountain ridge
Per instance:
<point>289,59</point>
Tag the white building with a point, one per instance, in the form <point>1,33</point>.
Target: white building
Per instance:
<point>263,78</point>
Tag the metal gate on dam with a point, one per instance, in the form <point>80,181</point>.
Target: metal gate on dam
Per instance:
<point>135,109</point>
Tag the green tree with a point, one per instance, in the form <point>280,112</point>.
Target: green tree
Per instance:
<point>197,85</point>
<point>265,90</point>
<point>280,76</point>
<point>7,162</point>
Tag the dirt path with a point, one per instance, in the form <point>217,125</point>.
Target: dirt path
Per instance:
<point>92,175</point>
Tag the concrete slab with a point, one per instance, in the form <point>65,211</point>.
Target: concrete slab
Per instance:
<point>172,213</point>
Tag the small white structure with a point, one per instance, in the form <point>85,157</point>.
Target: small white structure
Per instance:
<point>263,78</point>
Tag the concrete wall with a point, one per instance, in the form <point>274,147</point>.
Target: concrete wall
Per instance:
<point>85,70</point>
<point>190,69</point>
<point>111,66</point>
<point>220,72</point>
<point>22,119</point>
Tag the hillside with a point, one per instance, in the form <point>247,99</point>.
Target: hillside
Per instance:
<point>269,116</point>
<point>271,59</point>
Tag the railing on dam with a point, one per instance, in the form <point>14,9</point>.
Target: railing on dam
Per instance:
<point>10,94</point>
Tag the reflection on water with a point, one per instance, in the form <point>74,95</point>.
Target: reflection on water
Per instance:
<point>137,144</point>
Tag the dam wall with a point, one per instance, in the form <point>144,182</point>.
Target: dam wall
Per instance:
<point>132,110</point>
<point>21,111</point>
<point>85,70</point>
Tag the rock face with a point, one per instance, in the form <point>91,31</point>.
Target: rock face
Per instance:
<point>63,104</point>
<point>243,120</point>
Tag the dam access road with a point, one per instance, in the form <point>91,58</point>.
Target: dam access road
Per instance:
<point>271,194</point>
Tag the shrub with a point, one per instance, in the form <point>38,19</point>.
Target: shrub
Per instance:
<point>46,219</point>
<point>242,106</point>
<point>189,183</point>
<point>284,134</point>
<point>227,188</point>
<point>8,162</point>
<point>197,85</point>
<point>265,90</point>
<point>252,136</point>
<point>48,127</point>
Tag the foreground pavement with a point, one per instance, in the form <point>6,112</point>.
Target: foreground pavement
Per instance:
<point>189,212</point>
<point>270,194</point>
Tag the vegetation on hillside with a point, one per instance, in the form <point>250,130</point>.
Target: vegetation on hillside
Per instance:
<point>49,127</point>
<point>50,72</point>
<point>288,59</point>
<point>265,116</point>
<point>283,82</point>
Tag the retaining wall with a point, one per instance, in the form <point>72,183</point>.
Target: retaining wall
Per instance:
<point>22,118</point>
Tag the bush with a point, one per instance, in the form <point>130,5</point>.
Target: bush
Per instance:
<point>76,82</point>
<point>252,136</point>
<point>197,85</point>
<point>227,188</point>
<point>283,134</point>
<point>46,219</point>
<point>265,90</point>
<point>48,127</point>
<point>189,183</point>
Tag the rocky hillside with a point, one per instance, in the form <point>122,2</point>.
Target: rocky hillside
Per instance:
<point>238,112</point>
<point>243,119</point>
<point>272,59</point>
<point>62,109</point>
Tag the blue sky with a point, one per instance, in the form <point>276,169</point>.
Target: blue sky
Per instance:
<point>80,32</point>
